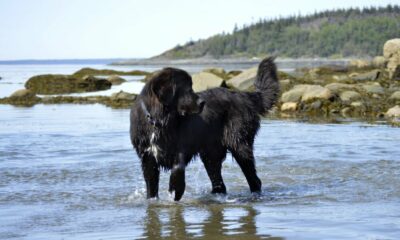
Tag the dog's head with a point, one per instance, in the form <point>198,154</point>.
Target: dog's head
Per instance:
<point>173,89</point>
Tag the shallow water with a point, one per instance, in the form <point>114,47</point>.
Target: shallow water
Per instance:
<point>69,172</point>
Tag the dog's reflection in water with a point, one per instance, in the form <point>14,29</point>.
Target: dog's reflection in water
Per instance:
<point>204,222</point>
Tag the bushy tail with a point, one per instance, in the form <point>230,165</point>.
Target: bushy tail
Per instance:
<point>267,84</point>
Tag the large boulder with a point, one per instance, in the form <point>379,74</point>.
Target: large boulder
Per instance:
<point>306,93</point>
<point>293,95</point>
<point>391,48</point>
<point>349,96</point>
<point>395,96</point>
<point>314,92</point>
<point>124,96</point>
<point>60,84</point>
<point>340,87</point>
<point>393,112</point>
<point>368,76</point>
<point>23,94</point>
<point>205,80</point>
<point>220,72</point>
<point>375,88</point>
<point>391,52</point>
<point>100,72</point>
<point>243,81</point>
<point>116,80</point>
<point>379,62</point>
<point>289,107</point>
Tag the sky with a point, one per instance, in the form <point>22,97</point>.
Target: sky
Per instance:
<point>79,29</point>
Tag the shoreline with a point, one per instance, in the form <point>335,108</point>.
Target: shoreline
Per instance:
<point>213,61</point>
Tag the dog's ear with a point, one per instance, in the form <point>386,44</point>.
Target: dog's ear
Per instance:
<point>163,87</point>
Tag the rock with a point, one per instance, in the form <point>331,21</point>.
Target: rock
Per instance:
<point>379,62</point>
<point>121,95</point>
<point>115,80</point>
<point>391,52</point>
<point>244,81</point>
<point>349,96</point>
<point>23,94</point>
<point>58,84</point>
<point>359,63</point>
<point>316,92</point>
<point>391,47</point>
<point>293,95</point>
<point>395,96</point>
<point>232,74</point>
<point>316,105</point>
<point>306,93</point>
<point>394,74</point>
<point>357,104</point>
<point>284,84</point>
<point>340,87</point>
<point>205,80</point>
<point>345,111</point>
<point>99,72</point>
<point>393,112</point>
<point>368,76</point>
<point>340,78</point>
<point>220,72</point>
<point>289,106</point>
<point>373,88</point>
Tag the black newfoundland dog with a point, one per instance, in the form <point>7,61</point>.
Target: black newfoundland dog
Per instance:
<point>170,124</point>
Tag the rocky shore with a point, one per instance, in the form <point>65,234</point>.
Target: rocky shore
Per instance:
<point>363,90</point>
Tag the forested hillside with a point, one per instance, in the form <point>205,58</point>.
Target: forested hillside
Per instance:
<point>337,33</point>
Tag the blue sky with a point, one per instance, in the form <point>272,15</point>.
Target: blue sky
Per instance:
<point>59,29</point>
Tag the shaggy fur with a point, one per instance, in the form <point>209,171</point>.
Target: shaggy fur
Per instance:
<point>170,124</point>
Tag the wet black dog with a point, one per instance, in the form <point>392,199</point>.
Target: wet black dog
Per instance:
<point>170,124</point>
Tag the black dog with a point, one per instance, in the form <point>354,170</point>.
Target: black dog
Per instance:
<point>170,124</point>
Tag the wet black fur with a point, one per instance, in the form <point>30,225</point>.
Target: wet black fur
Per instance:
<point>228,122</point>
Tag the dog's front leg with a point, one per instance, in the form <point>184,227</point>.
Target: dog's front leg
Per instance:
<point>151,173</point>
<point>177,179</point>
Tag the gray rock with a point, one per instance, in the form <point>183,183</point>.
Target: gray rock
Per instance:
<point>293,95</point>
<point>220,72</point>
<point>393,112</point>
<point>368,76</point>
<point>373,88</point>
<point>357,104</point>
<point>391,52</point>
<point>340,87</point>
<point>23,94</point>
<point>121,95</point>
<point>244,80</point>
<point>205,80</point>
<point>306,93</point>
<point>349,96</point>
<point>395,96</point>
<point>391,47</point>
<point>115,80</point>
<point>289,107</point>
<point>379,62</point>
<point>316,105</point>
<point>314,92</point>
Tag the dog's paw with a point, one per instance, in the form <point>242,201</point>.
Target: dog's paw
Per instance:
<point>177,183</point>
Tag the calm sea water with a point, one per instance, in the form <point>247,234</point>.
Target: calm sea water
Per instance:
<point>69,172</point>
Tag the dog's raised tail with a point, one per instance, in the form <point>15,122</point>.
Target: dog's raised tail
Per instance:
<point>267,84</point>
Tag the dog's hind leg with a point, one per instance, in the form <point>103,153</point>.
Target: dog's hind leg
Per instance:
<point>245,158</point>
<point>151,173</point>
<point>212,161</point>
